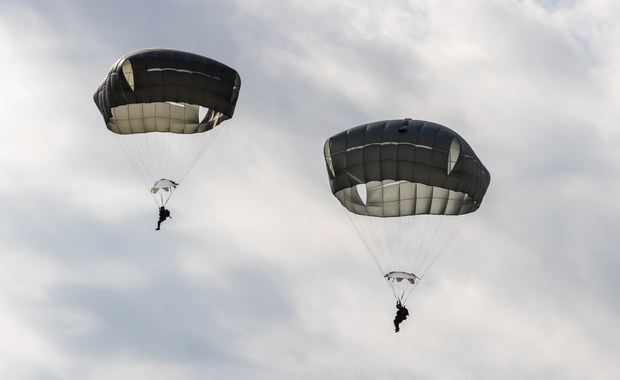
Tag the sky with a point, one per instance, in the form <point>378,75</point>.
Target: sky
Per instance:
<point>260,275</point>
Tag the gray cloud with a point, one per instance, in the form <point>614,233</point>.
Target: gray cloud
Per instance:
<point>260,275</point>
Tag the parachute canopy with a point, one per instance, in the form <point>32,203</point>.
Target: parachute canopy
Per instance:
<point>163,106</point>
<point>408,167</point>
<point>162,90</point>
<point>404,182</point>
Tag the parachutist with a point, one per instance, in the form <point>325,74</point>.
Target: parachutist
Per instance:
<point>163,215</point>
<point>401,315</point>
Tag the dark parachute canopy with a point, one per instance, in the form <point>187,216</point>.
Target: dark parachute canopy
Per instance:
<point>163,107</point>
<point>405,184</point>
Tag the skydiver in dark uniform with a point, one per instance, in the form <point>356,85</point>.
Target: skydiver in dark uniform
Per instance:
<point>163,215</point>
<point>401,315</point>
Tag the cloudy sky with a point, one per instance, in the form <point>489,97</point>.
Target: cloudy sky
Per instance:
<point>260,275</point>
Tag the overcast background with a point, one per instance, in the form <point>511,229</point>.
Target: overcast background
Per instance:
<point>260,274</point>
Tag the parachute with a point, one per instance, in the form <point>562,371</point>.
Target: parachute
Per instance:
<point>407,185</point>
<point>163,107</point>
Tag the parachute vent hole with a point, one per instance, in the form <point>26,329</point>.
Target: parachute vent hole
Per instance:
<point>202,113</point>
<point>453,156</point>
<point>362,193</point>
<point>128,73</point>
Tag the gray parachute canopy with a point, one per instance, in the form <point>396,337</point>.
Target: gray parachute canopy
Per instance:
<point>405,167</point>
<point>163,90</point>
